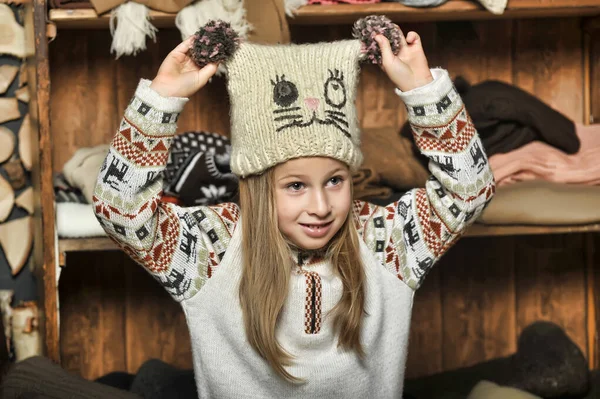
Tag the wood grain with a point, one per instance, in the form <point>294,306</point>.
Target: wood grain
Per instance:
<point>348,13</point>
<point>548,63</point>
<point>37,74</point>
<point>550,283</point>
<point>83,103</point>
<point>594,40</point>
<point>155,325</point>
<point>478,301</point>
<point>425,351</point>
<point>92,298</point>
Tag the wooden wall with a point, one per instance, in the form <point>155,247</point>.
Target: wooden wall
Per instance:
<point>471,308</point>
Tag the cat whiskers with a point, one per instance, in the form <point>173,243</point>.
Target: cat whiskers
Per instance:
<point>279,116</point>
<point>337,119</point>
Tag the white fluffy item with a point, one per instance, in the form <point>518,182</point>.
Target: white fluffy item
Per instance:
<point>75,220</point>
<point>494,6</point>
<point>197,14</point>
<point>129,26</point>
<point>292,5</point>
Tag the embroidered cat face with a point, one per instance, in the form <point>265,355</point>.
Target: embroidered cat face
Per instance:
<point>327,109</point>
<point>293,101</point>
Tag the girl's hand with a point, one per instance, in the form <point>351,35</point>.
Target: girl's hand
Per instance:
<point>179,76</point>
<point>409,69</point>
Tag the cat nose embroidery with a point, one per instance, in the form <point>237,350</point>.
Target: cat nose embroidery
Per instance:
<point>312,103</point>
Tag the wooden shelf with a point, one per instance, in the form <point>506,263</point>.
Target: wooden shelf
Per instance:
<point>478,230</point>
<point>348,13</point>
<point>86,244</point>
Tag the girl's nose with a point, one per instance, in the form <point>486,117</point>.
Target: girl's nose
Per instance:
<point>320,206</point>
<point>312,103</point>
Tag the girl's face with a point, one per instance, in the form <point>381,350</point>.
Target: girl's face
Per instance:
<point>313,199</point>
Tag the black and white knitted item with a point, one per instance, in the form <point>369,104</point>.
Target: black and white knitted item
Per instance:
<point>421,3</point>
<point>64,192</point>
<point>204,179</point>
<point>190,143</point>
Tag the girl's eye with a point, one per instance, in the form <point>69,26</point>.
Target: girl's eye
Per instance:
<point>335,180</point>
<point>295,186</point>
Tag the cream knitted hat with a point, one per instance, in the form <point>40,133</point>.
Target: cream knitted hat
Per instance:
<point>291,101</point>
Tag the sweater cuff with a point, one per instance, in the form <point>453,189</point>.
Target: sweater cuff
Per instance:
<point>430,93</point>
<point>156,101</point>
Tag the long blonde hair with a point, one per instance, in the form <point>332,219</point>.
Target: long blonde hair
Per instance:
<point>266,274</point>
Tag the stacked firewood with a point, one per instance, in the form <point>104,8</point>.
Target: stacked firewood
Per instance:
<point>16,193</point>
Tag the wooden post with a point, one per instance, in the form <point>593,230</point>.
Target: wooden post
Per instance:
<point>45,242</point>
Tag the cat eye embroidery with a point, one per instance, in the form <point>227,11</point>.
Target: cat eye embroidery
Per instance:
<point>335,90</point>
<point>285,94</point>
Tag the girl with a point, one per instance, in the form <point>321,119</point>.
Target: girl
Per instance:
<point>299,291</point>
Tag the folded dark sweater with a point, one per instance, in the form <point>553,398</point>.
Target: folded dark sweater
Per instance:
<point>507,118</point>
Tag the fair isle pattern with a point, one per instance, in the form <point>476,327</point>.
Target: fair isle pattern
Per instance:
<point>452,137</point>
<point>140,149</point>
<point>179,247</point>
<point>312,307</point>
<point>409,236</point>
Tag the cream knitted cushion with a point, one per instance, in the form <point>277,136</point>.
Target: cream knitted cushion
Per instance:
<point>495,6</point>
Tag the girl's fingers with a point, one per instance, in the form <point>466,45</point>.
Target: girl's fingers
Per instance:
<point>206,73</point>
<point>412,37</point>
<point>402,38</point>
<point>386,49</point>
<point>185,45</point>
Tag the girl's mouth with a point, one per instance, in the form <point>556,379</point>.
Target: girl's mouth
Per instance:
<point>316,230</point>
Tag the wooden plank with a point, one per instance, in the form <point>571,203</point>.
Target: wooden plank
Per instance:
<point>89,19</point>
<point>155,323</point>
<point>348,13</point>
<point>594,298</point>
<point>92,296</point>
<point>38,77</point>
<point>484,48</point>
<point>550,283</point>
<point>591,296</point>
<point>86,244</point>
<point>478,302</point>
<point>548,63</point>
<point>476,230</point>
<point>83,102</point>
<point>425,356</point>
<point>594,39</point>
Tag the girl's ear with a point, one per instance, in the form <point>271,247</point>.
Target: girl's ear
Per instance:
<point>365,30</point>
<point>214,42</point>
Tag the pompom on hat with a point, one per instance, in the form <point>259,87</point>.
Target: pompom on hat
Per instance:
<point>296,100</point>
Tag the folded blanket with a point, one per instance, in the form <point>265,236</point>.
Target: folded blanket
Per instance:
<point>75,220</point>
<point>82,169</point>
<point>64,192</point>
<point>539,160</point>
<point>490,390</point>
<point>507,117</point>
<point>367,185</point>
<point>539,202</point>
<point>392,158</point>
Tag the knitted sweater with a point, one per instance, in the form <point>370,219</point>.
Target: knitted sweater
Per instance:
<point>195,253</point>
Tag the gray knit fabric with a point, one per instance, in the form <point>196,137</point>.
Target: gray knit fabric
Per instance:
<point>421,3</point>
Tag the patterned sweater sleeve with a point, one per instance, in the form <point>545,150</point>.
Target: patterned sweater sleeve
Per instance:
<point>409,236</point>
<point>179,247</point>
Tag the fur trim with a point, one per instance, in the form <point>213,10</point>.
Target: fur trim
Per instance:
<point>292,5</point>
<point>77,220</point>
<point>129,26</point>
<point>193,17</point>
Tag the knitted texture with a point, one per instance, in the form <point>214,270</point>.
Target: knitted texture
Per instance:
<point>293,101</point>
<point>195,253</point>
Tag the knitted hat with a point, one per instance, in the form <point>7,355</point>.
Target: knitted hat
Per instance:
<point>291,101</point>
